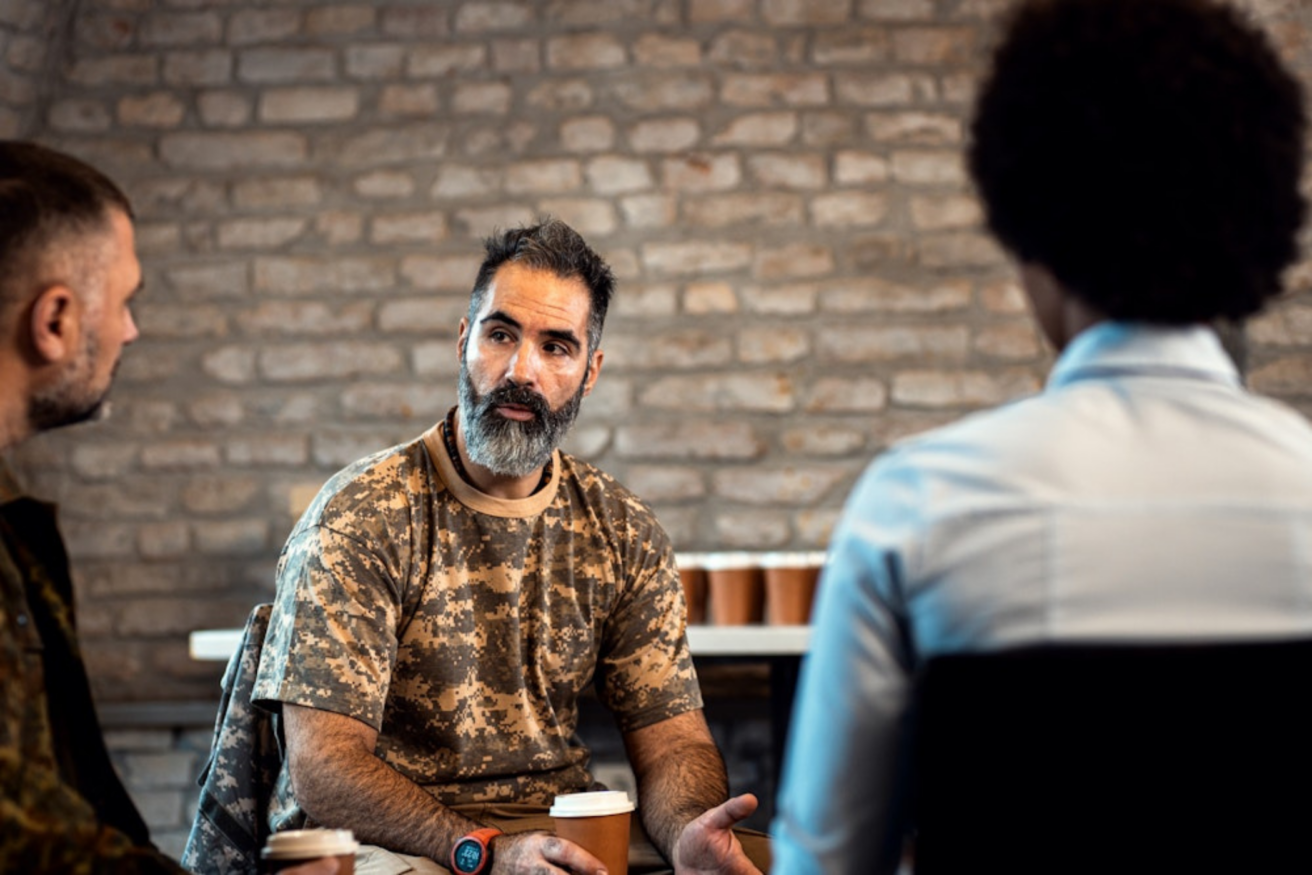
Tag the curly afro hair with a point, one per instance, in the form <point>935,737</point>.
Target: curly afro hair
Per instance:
<point>1147,152</point>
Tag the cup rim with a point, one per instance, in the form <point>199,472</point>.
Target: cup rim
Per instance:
<point>591,803</point>
<point>299,844</point>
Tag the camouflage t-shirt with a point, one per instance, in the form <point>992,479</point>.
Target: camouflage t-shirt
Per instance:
<point>464,627</point>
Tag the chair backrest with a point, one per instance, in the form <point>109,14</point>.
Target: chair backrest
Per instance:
<point>1115,758</point>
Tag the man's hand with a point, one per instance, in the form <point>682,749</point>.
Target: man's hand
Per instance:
<point>707,845</point>
<point>532,853</point>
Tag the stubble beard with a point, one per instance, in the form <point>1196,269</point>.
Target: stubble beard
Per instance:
<point>510,447</point>
<point>74,398</point>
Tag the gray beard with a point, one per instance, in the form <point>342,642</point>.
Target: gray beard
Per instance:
<point>508,447</point>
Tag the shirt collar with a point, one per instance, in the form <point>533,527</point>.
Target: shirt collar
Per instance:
<point>1122,349</point>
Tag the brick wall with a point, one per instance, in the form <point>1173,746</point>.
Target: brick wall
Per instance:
<point>778,183</point>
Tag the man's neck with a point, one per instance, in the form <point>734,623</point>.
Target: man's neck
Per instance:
<point>490,483</point>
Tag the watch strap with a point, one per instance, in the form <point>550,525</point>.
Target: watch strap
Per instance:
<point>483,836</point>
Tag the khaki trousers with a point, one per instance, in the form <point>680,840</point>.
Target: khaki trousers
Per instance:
<point>644,859</point>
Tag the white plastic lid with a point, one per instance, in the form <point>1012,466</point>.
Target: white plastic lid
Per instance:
<point>307,844</point>
<point>597,803</point>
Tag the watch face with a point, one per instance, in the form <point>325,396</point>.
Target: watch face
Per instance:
<point>468,855</point>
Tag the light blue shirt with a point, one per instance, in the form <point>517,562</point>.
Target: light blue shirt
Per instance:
<point>1143,495</point>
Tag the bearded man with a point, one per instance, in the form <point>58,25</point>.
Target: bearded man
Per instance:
<point>443,604</point>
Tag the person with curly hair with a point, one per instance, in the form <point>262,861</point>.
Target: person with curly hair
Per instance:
<point>1140,161</point>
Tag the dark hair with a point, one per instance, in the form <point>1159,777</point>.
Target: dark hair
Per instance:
<point>44,196</point>
<point>550,245</point>
<point>1147,152</point>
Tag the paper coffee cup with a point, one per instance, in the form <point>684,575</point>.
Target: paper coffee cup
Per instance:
<point>297,846</point>
<point>736,588</point>
<point>598,822</point>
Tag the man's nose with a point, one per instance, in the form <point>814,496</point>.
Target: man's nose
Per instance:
<point>523,368</point>
<point>130,331</point>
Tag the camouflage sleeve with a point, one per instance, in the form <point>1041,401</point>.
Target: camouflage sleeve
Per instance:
<point>332,637</point>
<point>645,672</point>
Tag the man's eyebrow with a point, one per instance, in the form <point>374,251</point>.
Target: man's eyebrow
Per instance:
<point>562,334</point>
<point>500,316</point>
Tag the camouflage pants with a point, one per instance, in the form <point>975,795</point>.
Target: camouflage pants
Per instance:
<point>644,859</point>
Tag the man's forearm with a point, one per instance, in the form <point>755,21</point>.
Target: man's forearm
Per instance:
<point>689,780</point>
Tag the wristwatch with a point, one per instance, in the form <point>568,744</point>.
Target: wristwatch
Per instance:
<point>473,853</point>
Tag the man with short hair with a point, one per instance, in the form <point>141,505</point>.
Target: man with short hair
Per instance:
<point>68,275</point>
<point>1140,159</point>
<point>443,604</point>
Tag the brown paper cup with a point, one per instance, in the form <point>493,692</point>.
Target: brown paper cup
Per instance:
<point>694,593</point>
<point>736,595</point>
<point>789,593</point>
<point>294,847</point>
<point>598,822</point>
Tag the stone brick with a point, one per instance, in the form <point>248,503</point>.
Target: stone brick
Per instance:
<point>868,294</point>
<point>773,345</point>
<point>640,300</point>
<point>759,129</point>
<point>876,89</point>
<point>251,26</point>
<point>929,167</point>
<point>782,13</point>
<point>77,115</point>
<point>439,61</point>
<point>1003,296</point>
<point>548,175</point>
<point>281,318</point>
<point>115,70</point>
<point>499,138</point>
<point>939,213</point>
<point>481,221</point>
<point>306,105</point>
<point>219,493</point>
<point>156,769</point>
<point>245,537</point>
<point>656,483</point>
<point>259,233</point>
<point>227,280</point>
<point>280,451</point>
<point>427,314</point>
<point>594,133</point>
<point>416,22</point>
<point>750,392</point>
<point>585,51</point>
<point>752,529</point>
<point>830,129</point>
<point>682,349</point>
<point>159,110</point>
<point>277,192</point>
<point>817,439</point>
<point>215,411</point>
<point>462,180</point>
<point>846,395</point>
<point>613,174</point>
<point>154,238</point>
<point>28,55</point>
<point>119,741</point>
<point>793,260</point>
<point>850,45</point>
<point>960,250</point>
<point>179,29</point>
<point>561,95</point>
<point>701,172</point>
<point>307,274</point>
<point>863,344</point>
<point>285,64</point>
<point>793,299</point>
<point>331,20</point>
<point>384,61</point>
<point>1013,341</point>
<point>516,56</point>
<point>452,273</point>
<point>434,359</point>
<point>779,89</point>
<point>919,128</point>
<point>664,135</point>
<point>663,91</point>
<point>480,17</point>
<point>384,184</point>
<point>483,98</point>
<point>103,461</point>
<point>228,151</point>
<point>960,89</point>
<point>170,321</point>
<point>337,227</point>
<point>688,439</point>
<point>859,168</point>
<point>720,10</point>
<point>709,297</point>
<point>180,455</point>
<point>659,50</point>
<point>693,257</point>
<point>230,364</point>
<point>723,210</point>
<point>591,217</point>
<point>896,10</point>
<point>934,46</point>
<point>313,361</point>
<point>425,402</point>
<point>403,100</point>
<point>780,170</point>
<point>960,388</point>
<point>649,211</point>
<point>791,485</point>
<point>849,209</point>
<point>1282,325</point>
<point>165,540</point>
<point>426,227</point>
<point>224,109</point>
<point>1289,375</point>
<point>206,67</point>
<point>744,49</point>
<point>333,449</point>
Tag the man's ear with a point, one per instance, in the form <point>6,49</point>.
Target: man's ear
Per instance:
<point>54,324</point>
<point>594,371</point>
<point>464,335</point>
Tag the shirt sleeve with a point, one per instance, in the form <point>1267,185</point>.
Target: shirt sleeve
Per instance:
<point>645,672</point>
<point>841,806</point>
